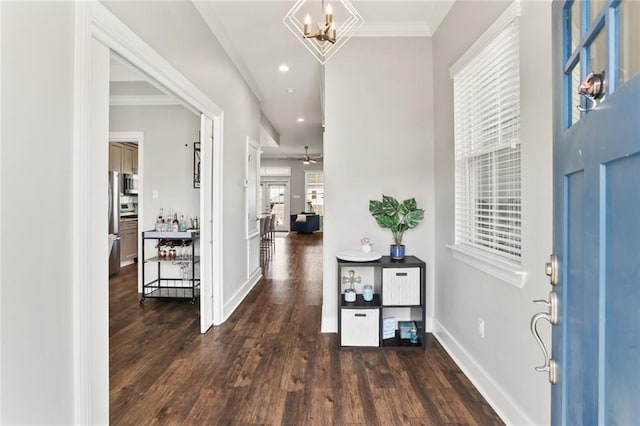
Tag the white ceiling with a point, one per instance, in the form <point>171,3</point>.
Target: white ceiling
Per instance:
<point>256,39</point>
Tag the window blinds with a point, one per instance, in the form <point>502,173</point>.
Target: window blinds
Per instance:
<point>486,93</point>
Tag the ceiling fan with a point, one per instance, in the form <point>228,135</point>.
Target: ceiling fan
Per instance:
<point>306,159</point>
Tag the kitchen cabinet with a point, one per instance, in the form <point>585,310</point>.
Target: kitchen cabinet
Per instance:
<point>128,239</point>
<point>129,160</point>
<point>123,158</point>
<point>396,310</point>
<point>115,157</point>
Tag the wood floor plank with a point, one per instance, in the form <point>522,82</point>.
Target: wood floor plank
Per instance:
<point>269,364</point>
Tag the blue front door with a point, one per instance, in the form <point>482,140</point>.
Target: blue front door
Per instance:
<point>596,343</point>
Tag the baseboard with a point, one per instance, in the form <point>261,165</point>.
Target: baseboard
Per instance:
<point>499,400</point>
<point>232,304</point>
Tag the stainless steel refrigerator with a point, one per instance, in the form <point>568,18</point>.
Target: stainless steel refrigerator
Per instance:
<point>114,223</point>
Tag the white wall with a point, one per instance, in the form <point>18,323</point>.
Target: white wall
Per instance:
<point>501,364</point>
<point>178,33</point>
<point>378,140</point>
<point>36,166</point>
<point>169,134</point>
<point>296,188</point>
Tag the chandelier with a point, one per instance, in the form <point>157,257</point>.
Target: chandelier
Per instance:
<point>323,39</point>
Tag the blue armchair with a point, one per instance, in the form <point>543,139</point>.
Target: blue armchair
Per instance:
<point>305,223</point>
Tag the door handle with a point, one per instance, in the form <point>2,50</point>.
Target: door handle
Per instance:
<point>550,366</point>
<point>593,89</point>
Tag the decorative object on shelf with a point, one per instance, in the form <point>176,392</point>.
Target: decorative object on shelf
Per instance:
<point>398,217</point>
<point>405,328</point>
<point>322,40</point>
<point>413,334</point>
<point>350,293</point>
<point>196,163</point>
<point>367,293</point>
<point>388,327</point>
<point>366,245</point>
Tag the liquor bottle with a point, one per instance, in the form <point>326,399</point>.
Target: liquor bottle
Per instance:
<point>175,225</point>
<point>160,221</point>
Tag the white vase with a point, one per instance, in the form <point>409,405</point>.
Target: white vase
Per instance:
<point>366,248</point>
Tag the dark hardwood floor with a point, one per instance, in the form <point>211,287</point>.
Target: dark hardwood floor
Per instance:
<point>269,363</point>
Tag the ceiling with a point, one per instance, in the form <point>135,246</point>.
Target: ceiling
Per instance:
<point>256,39</point>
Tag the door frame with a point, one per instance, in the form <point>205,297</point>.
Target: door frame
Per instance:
<point>95,23</point>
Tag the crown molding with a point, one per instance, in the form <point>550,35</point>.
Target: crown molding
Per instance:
<point>394,30</point>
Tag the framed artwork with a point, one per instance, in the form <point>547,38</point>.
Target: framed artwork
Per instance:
<point>196,164</point>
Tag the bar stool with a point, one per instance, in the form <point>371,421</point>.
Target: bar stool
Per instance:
<point>265,224</point>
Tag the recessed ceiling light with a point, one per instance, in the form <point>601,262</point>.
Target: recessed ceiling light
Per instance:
<point>300,120</point>
<point>291,90</point>
<point>284,67</point>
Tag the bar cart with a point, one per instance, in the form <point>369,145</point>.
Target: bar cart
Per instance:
<point>176,257</point>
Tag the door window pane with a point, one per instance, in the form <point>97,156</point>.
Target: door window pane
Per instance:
<point>596,7</point>
<point>629,40</point>
<point>598,53</point>
<point>276,202</point>
<point>576,32</point>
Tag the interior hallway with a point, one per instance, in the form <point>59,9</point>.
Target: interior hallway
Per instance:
<point>269,363</point>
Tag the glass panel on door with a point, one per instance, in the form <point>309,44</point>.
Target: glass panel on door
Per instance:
<point>629,40</point>
<point>277,193</point>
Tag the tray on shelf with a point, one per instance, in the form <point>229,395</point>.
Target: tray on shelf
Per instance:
<point>358,256</point>
<point>170,234</point>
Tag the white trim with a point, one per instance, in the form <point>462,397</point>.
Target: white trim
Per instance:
<point>82,377</point>
<point>216,218</point>
<point>511,13</point>
<point>145,100</point>
<point>251,144</point>
<point>1,210</point>
<point>235,300</point>
<point>512,275</point>
<point>94,22</point>
<point>207,303</point>
<point>394,30</point>
<point>497,398</point>
<point>138,139</point>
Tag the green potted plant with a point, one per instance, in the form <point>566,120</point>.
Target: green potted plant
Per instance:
<point>398,217</point>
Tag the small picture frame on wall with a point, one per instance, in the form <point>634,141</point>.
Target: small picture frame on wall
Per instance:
<point>196,165</point>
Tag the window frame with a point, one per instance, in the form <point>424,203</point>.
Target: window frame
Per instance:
<point>506,268</point>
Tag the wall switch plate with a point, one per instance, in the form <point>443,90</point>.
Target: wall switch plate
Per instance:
<point>154,194</point>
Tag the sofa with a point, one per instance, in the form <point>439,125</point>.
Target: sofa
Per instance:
<point>305,223</point>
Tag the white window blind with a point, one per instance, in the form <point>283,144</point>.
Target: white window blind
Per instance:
<point>486,91</point>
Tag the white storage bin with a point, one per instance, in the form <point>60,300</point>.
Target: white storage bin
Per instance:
<point>360,327</point>
<point>401,286</point>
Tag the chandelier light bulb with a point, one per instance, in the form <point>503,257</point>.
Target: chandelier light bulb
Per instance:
<point>307,25</point>
<point>329,15</point>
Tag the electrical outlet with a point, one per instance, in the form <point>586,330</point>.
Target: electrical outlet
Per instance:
<point>481,327</point>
